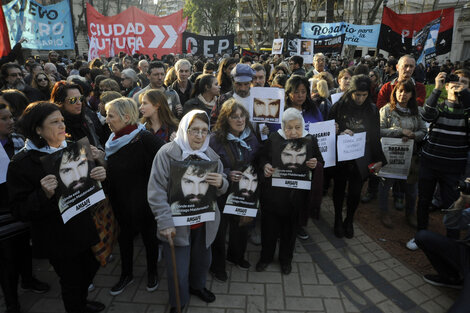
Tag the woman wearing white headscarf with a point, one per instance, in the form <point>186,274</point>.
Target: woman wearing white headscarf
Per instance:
<point>192,243</point>
<point>280,207</point>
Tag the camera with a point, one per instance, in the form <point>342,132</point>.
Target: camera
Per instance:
<point>452,78</point>
<point>464,187</point>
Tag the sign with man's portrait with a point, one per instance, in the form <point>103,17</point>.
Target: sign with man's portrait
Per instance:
<point>289,159</point>
<point>267,104</point>
<point>77,191</point>
<point>243,197</point>
<point>278,44</point>
<point>305,50</point>
<point>192,199</point>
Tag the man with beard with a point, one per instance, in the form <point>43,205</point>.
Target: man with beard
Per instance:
<point>194,187</point>
<point>54,58</point>
<point>266,108</point>
<point>293,156</point>
<point>74,171</point>
<point>246,188</point>
<point>13,78</point>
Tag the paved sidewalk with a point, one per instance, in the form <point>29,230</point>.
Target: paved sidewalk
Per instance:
<point>328,275</point>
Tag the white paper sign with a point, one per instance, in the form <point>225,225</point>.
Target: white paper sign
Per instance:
<point>351,147</point>
<point>278,43</point>
<point>305,50</point>
<point>193,219</point>
<point>4,161</point>
<point>262,136</point>
<point>335,97</point>
<point>267,104</point>
<point>325,132</point>
<point>398,154</point>
<point>235,210</point>
<point>82,206</point>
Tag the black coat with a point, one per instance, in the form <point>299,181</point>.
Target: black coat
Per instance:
<point>28,202</point>
<point>128,175</point>
<point>85,124</point>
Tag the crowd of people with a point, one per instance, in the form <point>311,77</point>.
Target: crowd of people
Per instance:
<point>141,114</point>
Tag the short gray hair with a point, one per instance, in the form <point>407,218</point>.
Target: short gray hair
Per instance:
<point>291,114</point>
<point>182,62</point>
<point>130,73</point>
<point>125,106</point>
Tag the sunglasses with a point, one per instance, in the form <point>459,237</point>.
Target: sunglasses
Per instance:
<point>42,80</point>
<point>73,100</point>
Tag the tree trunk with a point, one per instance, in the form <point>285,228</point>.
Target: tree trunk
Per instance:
<point>330,11</point>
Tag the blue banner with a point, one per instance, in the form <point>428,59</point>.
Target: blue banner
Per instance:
<point>355,35</point>
<point>45,27</point>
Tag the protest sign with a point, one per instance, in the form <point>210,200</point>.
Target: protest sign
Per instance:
<point>305,50</point>
<point>267,104</point>
<point>331,45</point>
<point>243,195</point>
<point>397,30</point>
<point>355,35</point>
<point>278,44</point>
<point>351,147</point>
<point>45,27</point>
<point>398,154</point>
<point>192,199</point>
<point>336,96</point>
<point>289,159</point>
<point>424,42</point>
<point>4,161</point>
<point>72,165</point>
<point>134,30</point>
<point>325,132</point>
<point>207,46</point>
<point>291,44</point>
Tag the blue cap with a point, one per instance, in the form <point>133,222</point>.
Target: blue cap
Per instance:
<point>242,73</point>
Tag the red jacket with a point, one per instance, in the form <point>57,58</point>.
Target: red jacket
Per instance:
<point>384,93</point>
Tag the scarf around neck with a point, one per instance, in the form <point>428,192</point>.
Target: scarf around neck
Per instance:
<point>245,134</point>
<point>112,146</point>
<point>29,145</point>
<point>182,139</point>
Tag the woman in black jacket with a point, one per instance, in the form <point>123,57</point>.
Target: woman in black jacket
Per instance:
<point>355,113</point>
<point>204,96</point>
<point>130,151</point>
<point>33,199</point>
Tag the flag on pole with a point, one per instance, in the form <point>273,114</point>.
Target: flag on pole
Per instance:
<point>5,46</point>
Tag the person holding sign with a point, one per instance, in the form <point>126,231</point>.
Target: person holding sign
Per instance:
<point>355,113</point>
<point>236,144</point>
<point>281,205</point>
<point>33,198</point>
<point>400,119</point>
<point>192,241</point>
<point>130,151</point>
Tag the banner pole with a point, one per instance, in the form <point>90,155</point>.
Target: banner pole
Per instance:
<point>73,28</point>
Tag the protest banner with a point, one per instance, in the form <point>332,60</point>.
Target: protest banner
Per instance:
<point>289,159</point>
<point>243,196</point>
<point>305,50</point>
<point>397,30</point>
<point>5,47</point>
<point>134,30</point>
<point>424,41</point>
<point>72,165</point>
<point>278,44</point>
<point>291,44</point>
<point>45,27</point>
<point>351,147</point>
<point>267,104</point>
<point>207,46</point>
<point>398,154</point>
<point>249,53</point>
<point>192,199</point>
<point>325,132</point>
<point>355,35</point>
<point>331,45</point>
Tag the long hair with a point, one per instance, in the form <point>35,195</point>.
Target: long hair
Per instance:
<point>222,127</point>
<point>202,83</point>
<point>60,90</point>
<point>34,82</point>
<point>222,78</point>
<point>409,87</point>
<point>291,86</point>
<point>166,117</point>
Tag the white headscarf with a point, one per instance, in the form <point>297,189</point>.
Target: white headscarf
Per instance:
<point>289,115</point>
<point>182,137</point>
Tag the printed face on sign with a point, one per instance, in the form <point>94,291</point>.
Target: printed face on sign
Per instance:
<point>248,183</point>
<point>73,170</point>
<point>305,47</point>
<point>294,155</point>
<point>277,45</point>
<point>194,185</point>
<point>266,107</point>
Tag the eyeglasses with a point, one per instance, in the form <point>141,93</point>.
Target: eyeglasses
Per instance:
<point>196,132</point>
<point>237,117</point>
<point>73,100</point>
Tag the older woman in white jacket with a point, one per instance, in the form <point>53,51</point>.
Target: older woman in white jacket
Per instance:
<point>192,244</point>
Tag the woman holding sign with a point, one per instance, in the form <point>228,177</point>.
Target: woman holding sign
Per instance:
<point>400,119</point>
<point>33,198</point>
<point>192,241</point>
<point>236,144</point>
<point>296,153</point>
<point>355,113</point>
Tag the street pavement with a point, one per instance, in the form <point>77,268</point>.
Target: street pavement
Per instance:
<point>328,275</point>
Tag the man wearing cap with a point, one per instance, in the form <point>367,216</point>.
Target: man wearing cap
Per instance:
<point>242,75</point>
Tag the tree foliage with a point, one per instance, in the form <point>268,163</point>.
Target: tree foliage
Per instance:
<point>217,17</point>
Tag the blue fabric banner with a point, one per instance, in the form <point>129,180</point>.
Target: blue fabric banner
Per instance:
<point>45,27</point>
<point>355,35</point>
